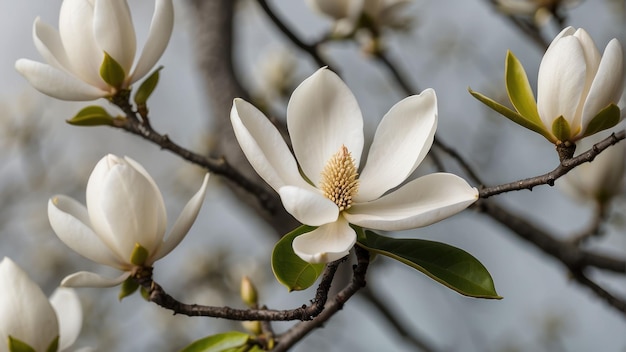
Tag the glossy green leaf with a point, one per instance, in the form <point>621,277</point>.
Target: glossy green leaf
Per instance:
<point>54,345</point>
<point>448,265</point>
<point>128,287</point>
<point>112,72</point>
<point>512,115</point>
<point>561,129</point>
<point>16,345</point>
<point>219,343</point>
<point>92,116</point>
<point>519,90</point>
<point>147,87</point>
<point>289,269</point>
<point>606,118</point>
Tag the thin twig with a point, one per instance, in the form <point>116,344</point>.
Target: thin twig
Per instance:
<point>612,300</point>
<point>550,177</point>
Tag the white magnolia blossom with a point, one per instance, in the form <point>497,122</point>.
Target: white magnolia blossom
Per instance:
<point>347,13</point>
<point>600,180</point>
<point>124,210</point>
<point>28,316</point>
<point>576,82</point>
<point>322,187</point>
<point>87,30</point>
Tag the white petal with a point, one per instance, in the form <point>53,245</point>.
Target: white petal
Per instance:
<point>70,222</point>
<point>87,279</point>
<point>48,43</point>
<point>25,311</point>
<point>326,243</point>
<point>561,82</point>
<point>56,83</point>
<point>264,147</point>
<point>567,31</point>
<point>70,314</point>
<point>323,115</point>
<point>308,207</point>
<point>125,207</point>
<point>76,30</point>
<point>158,37</point>
<point>114,32</point>
<point>402,140</point>
<point>608,84</point>
<point>184,221</point>
<point>421,202</point>
<point>337,9</point>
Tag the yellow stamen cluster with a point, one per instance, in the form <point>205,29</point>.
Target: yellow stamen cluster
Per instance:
<point>340,179</point>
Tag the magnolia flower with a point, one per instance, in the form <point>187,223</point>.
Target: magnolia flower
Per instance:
<point>95,39</point>
<point>576,83</point>
<point>27,316</point>
<point>541,10</point>
<point>123,225</point>
<point>322,185</point>
<point>600,180</point>
<point>347,13</point>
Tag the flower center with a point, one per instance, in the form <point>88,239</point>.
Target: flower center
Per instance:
<point>340,179</point>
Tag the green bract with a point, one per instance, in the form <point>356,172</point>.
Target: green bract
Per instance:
<point>92,116</point>
<point>112,72</point>
<point>147,87</point>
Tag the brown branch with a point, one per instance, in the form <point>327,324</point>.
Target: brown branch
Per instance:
<point>564,167</point>
<point>529,29</point>
<point>296,333</point>
<point>143,276</point>
<point>617,303</point>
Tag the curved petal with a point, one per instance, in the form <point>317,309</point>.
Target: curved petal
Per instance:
<point>88,279</point>
<point>323,115</point>
<point>567,31</point>
<point>401,142</point>
<point>264,147</point>
<point>326,243</point>
<point>608,84</point>
<point>419,203</point>
<point>48,43</point>
<point>26,313</point>
<point>124,207</point>
<point>70,315</point>
<point>561,82</point>
<point>158,38</point>
<point>114,32</point>
<point>308,207</point>
<point>56,83</point>
<point>70,221</point>
<point>77,34</point>
<point>183,223</point>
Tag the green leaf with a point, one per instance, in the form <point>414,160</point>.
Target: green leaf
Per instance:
<point>92,116</point>
<point>561,129</point>
<point>16,345</point>
<point>289,269</point>
<point>112,72</point>
<point>145,294</point>
<point>519,90</point>
<point>128,287</point>
<point>606,118</point>
<point>512,115</point>
<point>448,265</point>
<point>219,343</point>
<point>139,255</point>
<point>147,87</point>
<point>54,345</point>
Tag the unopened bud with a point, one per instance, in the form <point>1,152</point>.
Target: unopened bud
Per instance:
<point>248,292</point>
<point>253,327</point>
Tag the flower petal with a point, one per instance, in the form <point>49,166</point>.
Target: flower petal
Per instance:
<point>421,202</point>
<point>88,279</point>
<point>56,83</point>
<point>326,243</point>
<point>114,32</point>
<point>264,147</point>
<point>70,222</point>
<point>402,140</point>
<point>309,207</point>
<point>183,223</point>
<point>48,43</point>
<point>561,82</point>
<point>323,115</point>
<point>69,313</point>
<point>26,313</point>
<point>158,38</point>
<point>608,84</point>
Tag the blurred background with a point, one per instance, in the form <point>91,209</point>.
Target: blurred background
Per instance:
<point>448,45</point>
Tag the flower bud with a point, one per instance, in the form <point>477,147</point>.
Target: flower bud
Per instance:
<point>248,292</point>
